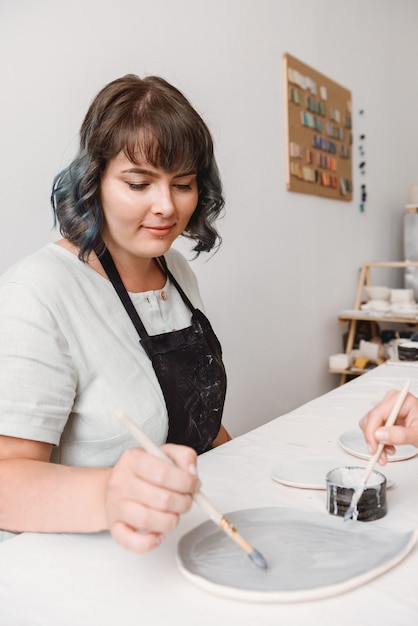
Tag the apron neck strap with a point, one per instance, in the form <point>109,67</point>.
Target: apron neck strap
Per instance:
<point>185,299</point>
<point>109,267</point>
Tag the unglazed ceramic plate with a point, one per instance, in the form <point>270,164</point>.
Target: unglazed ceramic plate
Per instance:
<point>305,472</point>
<point>309,472</point>
<point>354,443</point>
<point>309,555</point>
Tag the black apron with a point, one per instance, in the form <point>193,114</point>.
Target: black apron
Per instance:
<point>189,367</point>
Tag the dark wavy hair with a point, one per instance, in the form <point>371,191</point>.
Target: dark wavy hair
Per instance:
<point>150,121</point>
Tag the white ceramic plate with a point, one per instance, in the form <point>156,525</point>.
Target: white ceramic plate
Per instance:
<point>309,472</point>
<point>305,472</point>
<point>309,555</point>
<point>353,442</point>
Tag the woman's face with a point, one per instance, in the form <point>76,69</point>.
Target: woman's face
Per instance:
<point>145,209</point>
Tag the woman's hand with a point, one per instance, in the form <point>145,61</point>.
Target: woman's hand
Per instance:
<point>146,495</point>
<point>404,431</point>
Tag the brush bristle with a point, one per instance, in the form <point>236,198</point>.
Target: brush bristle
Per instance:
<point>258,559</point>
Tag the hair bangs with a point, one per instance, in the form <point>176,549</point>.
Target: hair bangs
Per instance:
<point>168,142</point>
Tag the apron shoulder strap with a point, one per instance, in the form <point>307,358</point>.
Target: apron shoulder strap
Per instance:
<point>113,274</point>
<point>185,299</point>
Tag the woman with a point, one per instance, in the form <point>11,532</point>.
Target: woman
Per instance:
<point>109,317</point>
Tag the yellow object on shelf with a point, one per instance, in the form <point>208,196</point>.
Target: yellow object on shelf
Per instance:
<point>361,362</point>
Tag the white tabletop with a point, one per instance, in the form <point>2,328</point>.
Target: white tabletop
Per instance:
<point>80,580</point>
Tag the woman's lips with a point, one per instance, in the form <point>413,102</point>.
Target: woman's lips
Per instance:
<point>158,231</point>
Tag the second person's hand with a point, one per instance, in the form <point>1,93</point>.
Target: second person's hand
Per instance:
<point>404,431</point>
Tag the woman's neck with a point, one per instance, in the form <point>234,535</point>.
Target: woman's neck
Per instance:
<point>138,274</point>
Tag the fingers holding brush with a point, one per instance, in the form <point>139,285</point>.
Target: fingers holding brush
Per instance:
<point>404,431</point>
<point>146,495</point>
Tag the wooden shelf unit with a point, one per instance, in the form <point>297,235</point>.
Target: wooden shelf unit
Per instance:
<point>358,316</point>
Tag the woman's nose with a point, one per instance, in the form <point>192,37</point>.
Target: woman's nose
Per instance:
<point>164,203</point>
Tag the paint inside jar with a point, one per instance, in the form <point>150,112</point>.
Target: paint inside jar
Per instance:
<point>341,484</point>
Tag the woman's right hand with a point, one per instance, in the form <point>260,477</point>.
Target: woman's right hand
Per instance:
<point>146,495</point>
<point>405,430</point>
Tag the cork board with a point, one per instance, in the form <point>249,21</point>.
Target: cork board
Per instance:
<point>318,133</point>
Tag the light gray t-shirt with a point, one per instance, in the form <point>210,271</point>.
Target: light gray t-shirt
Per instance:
<point>70,355</point>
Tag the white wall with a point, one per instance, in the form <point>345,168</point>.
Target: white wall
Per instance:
<point>289,262</point>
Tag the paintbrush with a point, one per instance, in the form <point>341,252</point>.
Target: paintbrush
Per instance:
<point>220,520</point>
<point>352,509</point>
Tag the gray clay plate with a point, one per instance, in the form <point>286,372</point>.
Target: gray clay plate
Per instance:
<point>309,555</point>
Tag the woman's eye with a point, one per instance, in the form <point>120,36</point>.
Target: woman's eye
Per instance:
<point>183,186</point>
<point>137,186</point>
